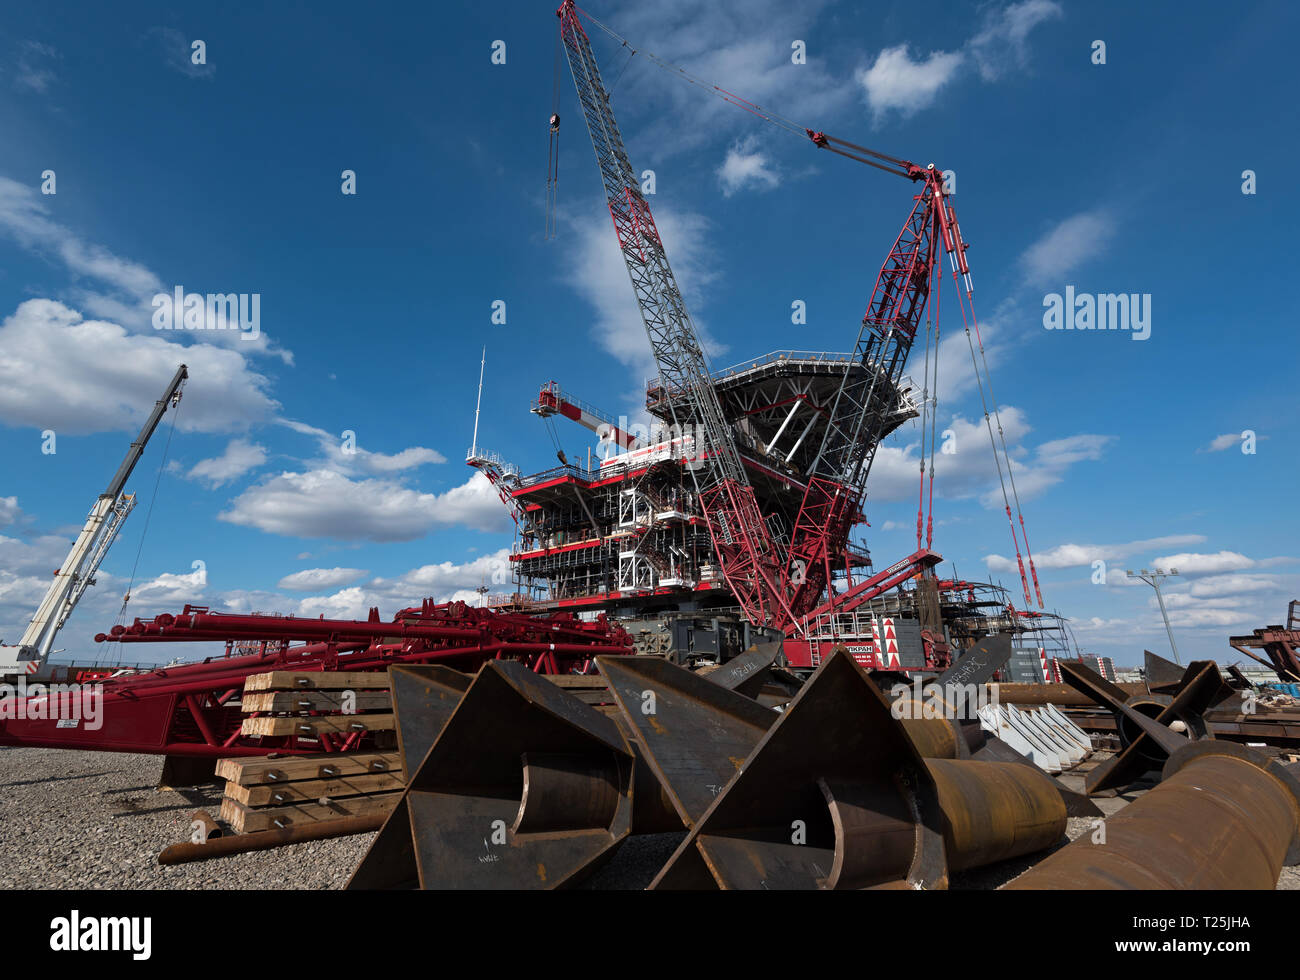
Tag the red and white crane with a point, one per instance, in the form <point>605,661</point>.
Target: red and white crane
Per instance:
<point>751,560</point>
<point>775,585</point>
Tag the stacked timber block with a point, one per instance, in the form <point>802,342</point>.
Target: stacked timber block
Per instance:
<point>282,699</point>
<point>282,791</point>
<point>272,794</point>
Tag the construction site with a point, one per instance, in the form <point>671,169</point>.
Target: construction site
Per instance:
<point>696,676</point>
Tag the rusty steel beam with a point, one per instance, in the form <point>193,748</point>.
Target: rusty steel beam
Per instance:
<point>835,795</point>
<point>993,811</point>
<point>1166,677</point>
<point>424,699</point>
<point>953,735</point>
<point>1149,729</point>
<point>979,663</point>
<point>1223,817</point>
<point>525,787</point>
<point>264,840</point>
<point>933,712</point>
<point>1281,645</point>
<point>747,673</point>
<point>1061,695</point>
<point>694,735</point>
<point>1238,728</point>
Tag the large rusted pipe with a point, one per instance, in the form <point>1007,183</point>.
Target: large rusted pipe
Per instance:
<point>995,810</point>
<point>935,738</point>
<point>1224,817</point>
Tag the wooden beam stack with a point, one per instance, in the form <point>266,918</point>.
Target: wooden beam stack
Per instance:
<point>277,792</point>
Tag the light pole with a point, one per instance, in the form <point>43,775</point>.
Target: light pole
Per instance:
<point>1153,577</point>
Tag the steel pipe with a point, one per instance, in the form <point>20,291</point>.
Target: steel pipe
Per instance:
<point>243,843</point>
<point>1224,817</point>
<point>993,811</point>
<point>1057,694</point>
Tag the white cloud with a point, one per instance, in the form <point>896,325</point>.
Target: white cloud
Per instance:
<point>240,457</point>
<point>122,290</point>
<point>1001,44</point>
<point>443,582</point>
<point>1193,563</point>
<point>1066,247</point>
<point>1078,555</point>
<point>24,216</point>
<point>745,47</point>
<point>326,504</point>
<point>319,578</point>
<point>35,69</point>
<point>972,470</point>
<point>170,589</point>
<point>896,81</point>
<point>492,570</point>
<point>178,52</point>
<point>600,277</point>
<point>1097,624</point>
<point>747,167</point>
<point>347,604</point>
<point>361,459</point>
<point>63,372</point>
<point>1214,586</point>
<point>10,512</point>
<point>1220,443</point>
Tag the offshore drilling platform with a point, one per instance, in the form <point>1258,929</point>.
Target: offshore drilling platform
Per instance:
<point>735,517</point>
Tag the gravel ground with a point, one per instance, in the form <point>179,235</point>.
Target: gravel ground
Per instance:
<point>97,820</point>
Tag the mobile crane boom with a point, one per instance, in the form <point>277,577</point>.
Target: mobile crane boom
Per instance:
<point>77,573</point>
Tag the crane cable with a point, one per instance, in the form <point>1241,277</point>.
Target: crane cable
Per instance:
<point>997,414</point>
<point>934,414</point>
<point>553,149</point>
<point>803,133</point>
<point>997,457</point>
<point>925,409</point>
<point>144,532</point>
<point>762,113</point>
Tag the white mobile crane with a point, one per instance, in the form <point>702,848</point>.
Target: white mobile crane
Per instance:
<point>77,573</point>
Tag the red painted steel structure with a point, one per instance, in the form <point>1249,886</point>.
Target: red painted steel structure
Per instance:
<point>752,559</point>
<point>774,584</point>
<point>194,709</point>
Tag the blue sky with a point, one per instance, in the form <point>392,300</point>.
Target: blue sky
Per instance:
<point>1122,177</point>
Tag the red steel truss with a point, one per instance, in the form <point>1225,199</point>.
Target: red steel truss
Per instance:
<point>194,709</point>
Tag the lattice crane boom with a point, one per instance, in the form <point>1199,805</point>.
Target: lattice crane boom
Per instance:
<point>752,562</point>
